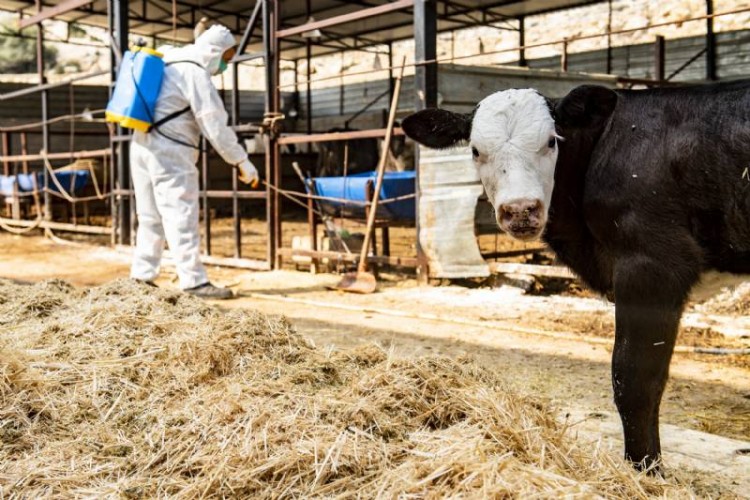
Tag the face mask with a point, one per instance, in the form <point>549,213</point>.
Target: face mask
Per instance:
<point>222,67</point>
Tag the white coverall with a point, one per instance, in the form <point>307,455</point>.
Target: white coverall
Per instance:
<point>164,173</point>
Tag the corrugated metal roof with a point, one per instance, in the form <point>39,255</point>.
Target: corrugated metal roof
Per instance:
<point>153,18</point>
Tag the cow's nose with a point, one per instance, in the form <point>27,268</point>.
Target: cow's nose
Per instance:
<point>521,215</point>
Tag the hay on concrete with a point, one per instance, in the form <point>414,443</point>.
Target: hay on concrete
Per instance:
<point>734,300</point>
<point>125,390</point>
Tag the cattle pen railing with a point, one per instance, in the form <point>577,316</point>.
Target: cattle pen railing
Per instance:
<point>117,197</point>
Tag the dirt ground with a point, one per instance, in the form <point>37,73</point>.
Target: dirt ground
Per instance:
<point>554,346</point>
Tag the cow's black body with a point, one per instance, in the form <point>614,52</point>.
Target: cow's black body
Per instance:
<point>644,200</point>
<point>664,175</point>
<point>651,188</point>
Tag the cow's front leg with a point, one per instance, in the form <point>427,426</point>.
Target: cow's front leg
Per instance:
<point>649,298</point>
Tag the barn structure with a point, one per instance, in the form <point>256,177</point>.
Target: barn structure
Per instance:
<point>56,123</point>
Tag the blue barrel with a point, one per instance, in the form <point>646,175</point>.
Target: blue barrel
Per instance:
<point>354,187</point>
<point>139,78</point>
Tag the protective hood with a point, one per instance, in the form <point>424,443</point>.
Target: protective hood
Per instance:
<point>207,49</point>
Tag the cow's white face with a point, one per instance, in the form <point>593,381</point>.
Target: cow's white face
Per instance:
<point>514,146</point>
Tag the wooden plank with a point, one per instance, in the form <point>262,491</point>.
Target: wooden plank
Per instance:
<point>250,264</point>
<point>57,10</point>
<point>532,269</point>
<point>59,156</point>
<point>345,18</point>
<point>248,195</point>
<point>348,257</point>
<point>513,253</point>
<point>337,136</point>
<point>59,226</point>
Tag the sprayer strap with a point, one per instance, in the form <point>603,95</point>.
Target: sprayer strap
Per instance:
<point>179,112</point>
<point>170,116</point>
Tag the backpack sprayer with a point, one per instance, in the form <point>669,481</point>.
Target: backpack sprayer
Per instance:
<point>137,88</point>
<point>133,102</point>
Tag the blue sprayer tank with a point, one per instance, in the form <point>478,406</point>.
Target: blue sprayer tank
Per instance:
<point>137,88</point>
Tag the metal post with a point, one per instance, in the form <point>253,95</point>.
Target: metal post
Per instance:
<point>659,61</point>
<point>342,91</point>
<point>522,41</point>
<point>272,147</point>
<point>206,207</point>
<point>308,87</point>
<point>6,152</point>
<point>295,98</point>
<point>237,220</point>
<point>118,25</point>
<point>609,37</point>
<point>710,43</point>
<point>391,81</point>
<point>44,94</point>
<point>426,87</point>
<point>24,151</point>
<point>275,146</point>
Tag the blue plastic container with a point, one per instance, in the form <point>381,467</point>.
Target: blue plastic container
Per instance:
<point>72,181</point>
<point>139,78</point>
<point>354,187</point>
<point>26,181</point>
<point>6,184</point>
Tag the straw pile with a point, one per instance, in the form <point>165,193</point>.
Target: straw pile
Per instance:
<point>731,300</point>
<point>125,390</point>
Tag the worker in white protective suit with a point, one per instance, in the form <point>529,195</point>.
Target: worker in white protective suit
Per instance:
<point>163,161</point>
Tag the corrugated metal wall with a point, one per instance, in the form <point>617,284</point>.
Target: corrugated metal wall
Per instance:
<point>637,61</point>
<point>461,86</point>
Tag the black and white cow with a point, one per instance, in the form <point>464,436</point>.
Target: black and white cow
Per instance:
<point>636,191</point>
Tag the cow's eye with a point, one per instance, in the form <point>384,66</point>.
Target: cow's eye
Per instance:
<point>551,143</point>
<point>474,153</point>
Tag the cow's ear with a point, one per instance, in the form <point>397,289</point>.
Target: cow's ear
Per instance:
<point>584,106</point>
<point>438,128</point>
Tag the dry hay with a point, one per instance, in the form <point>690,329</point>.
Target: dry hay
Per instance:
<point>733,300</point>
<point>125,390</point>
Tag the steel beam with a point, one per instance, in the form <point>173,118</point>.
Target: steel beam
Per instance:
<point>346,18</point>
<point>118,27</point>
<point>659,58</point>
<point>270,47</point>
<point>247,36</point>
<point>44,14</point>
<point>44,95</point>
<point>6,153</point>
<point>235,183</point>
<point>204,195</point>
<point>522,41</point>
<point>426,87</point>
<point>48,86</point>
<point>710,42</point>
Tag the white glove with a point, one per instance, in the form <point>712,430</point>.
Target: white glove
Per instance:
<point>248,173</point>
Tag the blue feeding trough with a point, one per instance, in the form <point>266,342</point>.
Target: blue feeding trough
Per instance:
<point>354,188</point>
<point>26,181</point>
<point>6,185</point>
<point>72,181</point>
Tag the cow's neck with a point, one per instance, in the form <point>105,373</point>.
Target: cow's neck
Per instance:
<point>566,231</point>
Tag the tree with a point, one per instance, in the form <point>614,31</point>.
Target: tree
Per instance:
<point>18,50</point>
